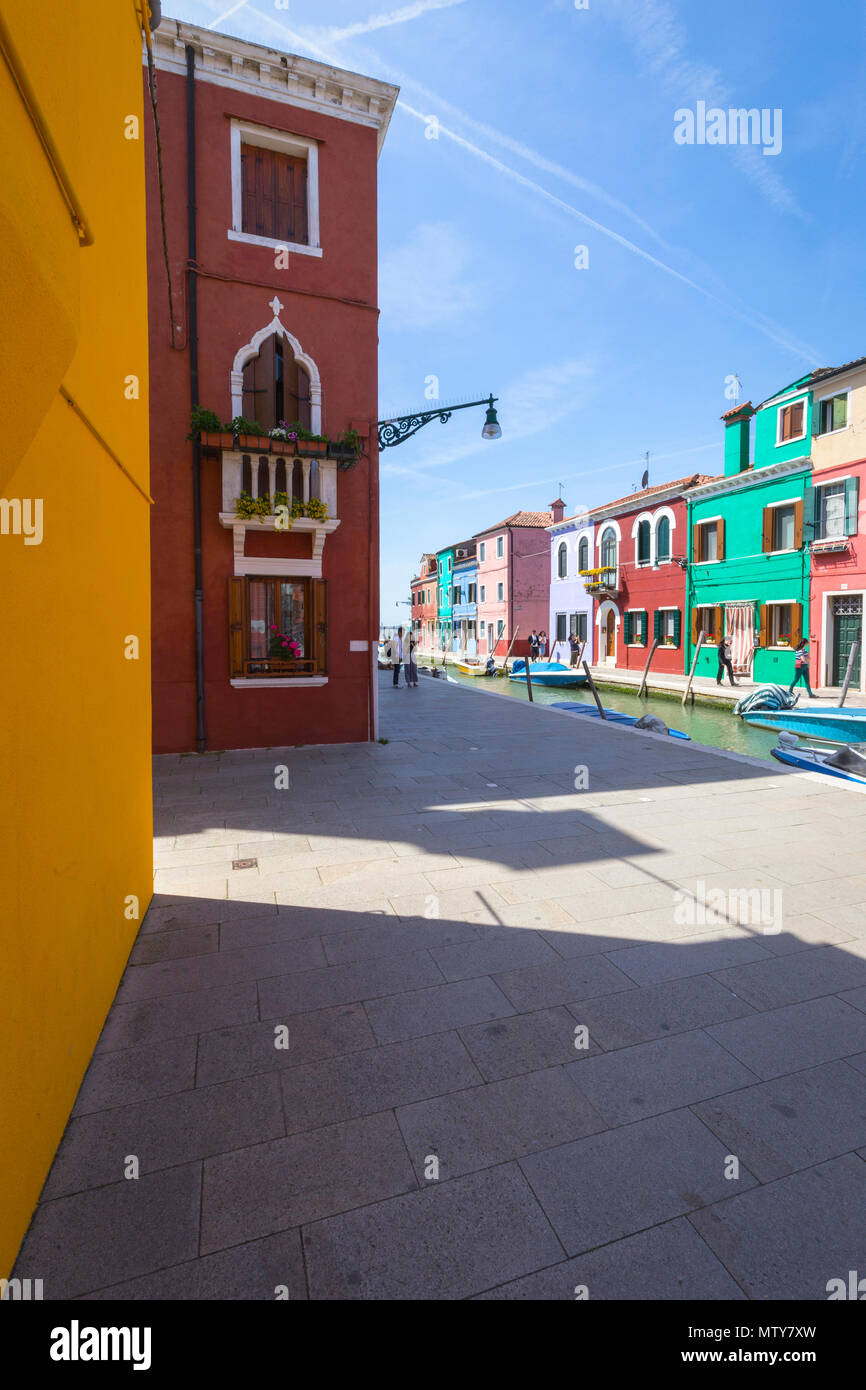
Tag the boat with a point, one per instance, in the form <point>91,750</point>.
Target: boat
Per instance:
<point>847,762</point>
<point>613,716</point>
<point>473,668</point>
<point>546,673</point>
<point>830,724</point>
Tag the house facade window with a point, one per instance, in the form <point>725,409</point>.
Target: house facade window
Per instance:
<point>608,549</point>
<point>663,541</point>
<point>277,627</point>
<point>500,547</point>
<point>833,413</point>
<point>709,541</point>
<point>562,561</point>
<point>482,551</point>
<point>782,527</point>
<point>577,625</point>
<point>781,624</point>
<point>582,554</point>
<point>276,387</point>
<point>635,627</point>
<point>830,511</point>
<point>790,422</point>
<point>483,593</point>
<point>500,592</point>
<point>667,625</point>
<point>561,632</point>
<point>275,188</point>
<point>643,543</point>
<point>710,621</point>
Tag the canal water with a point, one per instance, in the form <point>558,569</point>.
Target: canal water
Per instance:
<point>715,725</point>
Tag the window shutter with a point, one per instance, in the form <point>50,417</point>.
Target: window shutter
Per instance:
<point>767,530</point>
<point>852,491</point>
<point>796,623</point>
<point>678,627</point>
<point>319,625</point>
<point>695,612</point>
<point>810,512</point>
<point>644,627</point>
<point>762,625</point>
<point>626,627</point>
<point>798,525</point>
<point>719,623</point>
<point>657,625</point>
<point>236,627</point>
<point>720,539</point>
<point>697,548</point>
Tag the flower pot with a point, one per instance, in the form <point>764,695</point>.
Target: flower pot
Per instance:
<point>226,439</point>
<point>255,443</point>
<point>312,446</point>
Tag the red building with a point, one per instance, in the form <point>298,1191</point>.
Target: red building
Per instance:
<point>638,577</point>
<point>425,608</point>
<point>265,611</point>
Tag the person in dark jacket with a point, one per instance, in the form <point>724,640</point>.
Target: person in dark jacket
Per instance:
<point>725,662</point>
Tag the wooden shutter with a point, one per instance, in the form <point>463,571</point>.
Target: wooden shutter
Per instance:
<point>644,629</point>
<point>697,543</point>
<point>273,194</point>
<point>761,634</point>
<point>720,539</point>
<point>290,174</point>
<point>798,525</point>
<point>237,608</point>
<point>657,625</point>
<point>319,625</point>
<point>678,627</point>
<point>796,623</point>
<point>767,530</point>
<point>626,628</point>
<point>852,494</point>
<point>695,612</point>
<point>719,623</point>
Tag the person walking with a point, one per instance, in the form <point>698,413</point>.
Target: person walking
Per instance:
<point>725,662</point>
<point>533,645</point>
<point>574,643</point>
<point>410,669</point>
<point>397,655</point>
<point>801,668</point>
<point>542,645</point>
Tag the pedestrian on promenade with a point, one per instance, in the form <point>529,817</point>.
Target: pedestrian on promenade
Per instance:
<point>801,668</point>
<point>574,643</point>
<point>533,645</point>
<point>410,670</point>
<point>725,662</point>
<point>397,655</point>
<point>542,645</point>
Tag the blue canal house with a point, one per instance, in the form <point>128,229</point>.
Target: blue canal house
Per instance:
<point>464,605</point>
<point>749,533</point>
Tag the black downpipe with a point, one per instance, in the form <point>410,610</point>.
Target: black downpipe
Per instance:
<point>198,591</point>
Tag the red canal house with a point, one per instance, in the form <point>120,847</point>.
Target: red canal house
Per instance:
<point>265,610</point>
<point>638,577</point>
<point>425,608</point>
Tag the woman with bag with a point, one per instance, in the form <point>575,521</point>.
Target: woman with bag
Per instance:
<point>801,668</point>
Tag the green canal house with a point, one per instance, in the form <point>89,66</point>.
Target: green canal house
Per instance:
<point>445,568</point>
<point>748,542</point>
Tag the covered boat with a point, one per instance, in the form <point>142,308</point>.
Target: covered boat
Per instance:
<point>831,724</point>
<point>613,716</point>
<point>553,673</point>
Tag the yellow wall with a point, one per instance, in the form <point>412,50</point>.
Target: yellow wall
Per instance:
<point>842,446</point>
<point>75,813</point>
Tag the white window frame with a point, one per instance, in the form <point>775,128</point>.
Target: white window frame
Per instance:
<point>638,610</point>
<point>781,603</point>
<point>784,502</point>
<point>710,521</point>
<point>482,551</point>
<point>831,395</point>
<point>483,593</point>
<point>500,547</point>
<point>786,405</point>
<point>500,593</point>
<point>265,137</point>
<point>833,482</point>
<point>562,546</point>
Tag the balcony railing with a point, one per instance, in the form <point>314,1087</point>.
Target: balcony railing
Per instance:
<point>600,581</point>
<point>259,475</point>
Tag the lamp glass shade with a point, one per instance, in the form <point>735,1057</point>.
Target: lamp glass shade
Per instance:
<point>491,428</point>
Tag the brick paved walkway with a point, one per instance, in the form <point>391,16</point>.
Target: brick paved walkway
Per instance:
<point>426,925</point>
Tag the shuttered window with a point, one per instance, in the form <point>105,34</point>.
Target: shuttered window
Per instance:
<point>791,419</point>
<point>265,615</point>
<point>274,195</point>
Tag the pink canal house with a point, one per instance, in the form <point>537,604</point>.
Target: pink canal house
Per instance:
<point>514,580</point>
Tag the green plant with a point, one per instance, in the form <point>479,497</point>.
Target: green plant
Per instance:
<point>296,430</point>
<point>350,439</point>
<point>241,425</point>
<point>317,509</point>
<point>203,422</point>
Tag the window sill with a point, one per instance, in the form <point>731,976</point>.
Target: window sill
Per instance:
<point>822,434</point>
<point>282,682</point>
<point>293,247</point>
<point>797,439</point>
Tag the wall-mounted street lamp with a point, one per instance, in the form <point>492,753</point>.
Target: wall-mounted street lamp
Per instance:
<point>394,431</point>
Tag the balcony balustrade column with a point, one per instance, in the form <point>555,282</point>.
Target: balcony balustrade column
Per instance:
<point>307,464</point>
<point>272,475</point>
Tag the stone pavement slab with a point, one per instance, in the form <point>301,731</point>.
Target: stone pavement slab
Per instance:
<point>403,975</point>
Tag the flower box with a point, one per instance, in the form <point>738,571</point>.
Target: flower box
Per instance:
<point>312,446</point>
<point>255,443</point>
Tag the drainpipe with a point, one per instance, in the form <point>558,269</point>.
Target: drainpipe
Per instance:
<point>198,596</point>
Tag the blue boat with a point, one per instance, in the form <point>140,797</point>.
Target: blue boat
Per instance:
<point>613,716</point>
<point>848,762</point>
<point>832,724</point>
<point>553,673</point>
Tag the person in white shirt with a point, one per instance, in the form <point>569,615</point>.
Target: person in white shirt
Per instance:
<point>397,655</point>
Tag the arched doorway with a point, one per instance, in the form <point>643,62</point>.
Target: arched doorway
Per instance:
<point>608,621</point>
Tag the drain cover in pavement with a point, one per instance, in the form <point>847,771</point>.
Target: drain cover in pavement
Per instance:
<point>245,863</point>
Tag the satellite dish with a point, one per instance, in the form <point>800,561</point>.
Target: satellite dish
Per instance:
<point>645,479</point>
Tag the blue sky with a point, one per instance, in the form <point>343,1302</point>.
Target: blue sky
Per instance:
<point>556,130</point>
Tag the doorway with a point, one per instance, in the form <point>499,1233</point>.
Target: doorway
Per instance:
<point>847,629</point>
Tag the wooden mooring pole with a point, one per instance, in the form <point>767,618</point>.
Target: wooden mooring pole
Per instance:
<point>591,683</point>
<point>849,671</point>
<point>688,688</point>
<point>642,689</point>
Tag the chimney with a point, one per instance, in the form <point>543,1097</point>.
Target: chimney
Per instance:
<point>558,509</point>
<point>737,430</point>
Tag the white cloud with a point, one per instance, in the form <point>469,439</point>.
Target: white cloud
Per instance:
<point>384,21</point>
<point>423,284</point>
